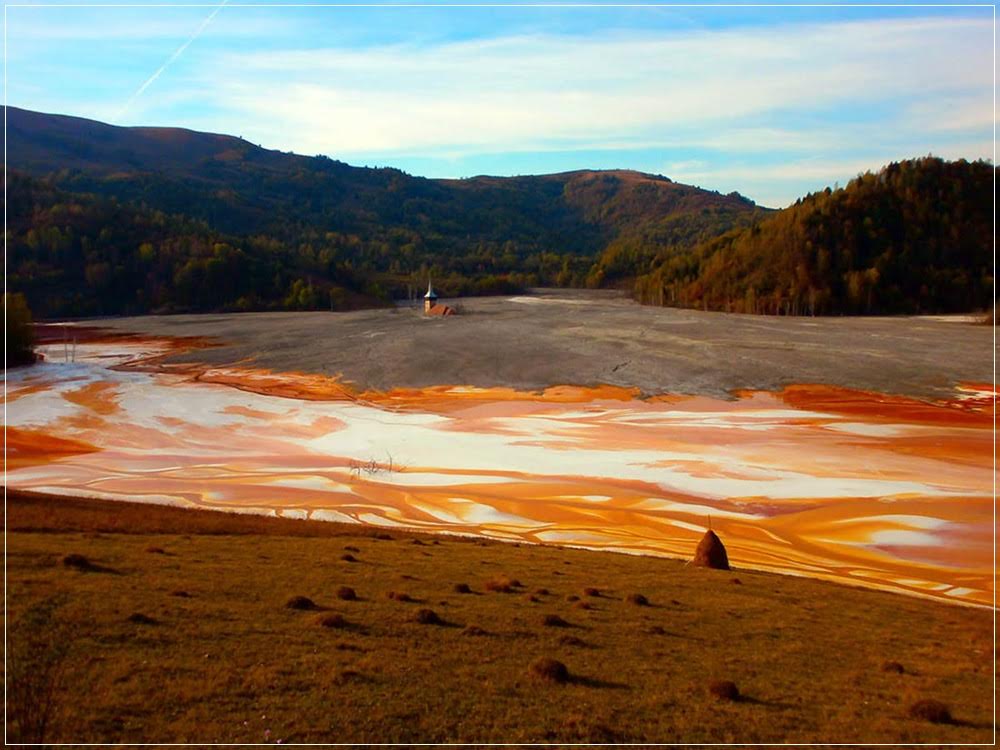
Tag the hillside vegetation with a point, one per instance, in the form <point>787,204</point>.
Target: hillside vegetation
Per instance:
<point>154,624</point>
<point>379,232</point>
<point>107,219</point>
<point>915,237</point>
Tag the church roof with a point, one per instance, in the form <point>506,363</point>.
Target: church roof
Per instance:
<point>431,294</point>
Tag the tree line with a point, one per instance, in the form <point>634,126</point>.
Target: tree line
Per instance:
<point>914,237</point>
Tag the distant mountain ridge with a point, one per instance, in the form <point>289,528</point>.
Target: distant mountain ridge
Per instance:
<point>318,224</point>
<point>239,186</point>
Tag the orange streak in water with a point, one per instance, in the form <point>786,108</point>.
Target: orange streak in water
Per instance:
<point>37,447</point>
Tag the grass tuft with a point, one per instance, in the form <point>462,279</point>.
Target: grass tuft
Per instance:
<point>333,620</point>
<point>931,710</point>
<point>462,588</point>
<point>724,690</point>
<point>79,562</point>
<point>554,621</point>
<point>300,602</point>
<point>550,670</point>
<point>347,594</point>
<point>892,666</point>
<point>638,600</point>
<point>428,617</point>
<point>502,584</point>
<point>140,619</point>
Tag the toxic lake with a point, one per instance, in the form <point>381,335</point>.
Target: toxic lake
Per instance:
<point>846,484</point>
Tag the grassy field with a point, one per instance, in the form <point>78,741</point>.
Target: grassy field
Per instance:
<point>176,628</point>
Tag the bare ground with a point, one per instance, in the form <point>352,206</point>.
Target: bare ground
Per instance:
<point>588,338</point>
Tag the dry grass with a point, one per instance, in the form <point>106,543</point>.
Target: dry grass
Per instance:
<point>229,663</point>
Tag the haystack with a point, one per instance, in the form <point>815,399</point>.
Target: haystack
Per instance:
<point>711,552</point>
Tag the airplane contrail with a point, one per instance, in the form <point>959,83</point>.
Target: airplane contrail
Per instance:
<point>177,53</point>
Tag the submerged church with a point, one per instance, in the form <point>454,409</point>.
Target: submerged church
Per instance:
<point>431,306</point>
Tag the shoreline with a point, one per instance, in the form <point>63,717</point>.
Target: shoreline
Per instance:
<point>340,528</point>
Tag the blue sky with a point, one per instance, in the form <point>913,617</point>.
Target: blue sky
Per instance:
<point>773,102</point>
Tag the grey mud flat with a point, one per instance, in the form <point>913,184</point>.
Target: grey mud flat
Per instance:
<point>549,337</point>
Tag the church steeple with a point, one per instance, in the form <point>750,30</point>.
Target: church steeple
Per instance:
<point>430,298</point>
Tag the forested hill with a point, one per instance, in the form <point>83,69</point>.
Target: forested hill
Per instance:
<point>324,223</point>
<point>915,237</point>
<point>107,220</point>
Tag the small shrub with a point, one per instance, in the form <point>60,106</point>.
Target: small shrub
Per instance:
<point>348,557</point>
<point>892,666</point>
<point>931,710</point>
<point>427,617</point>
<point>550,670</point>
<point>554,621</point>
<point>333,621</point>
<point>140,619</point>
<point>638,600</point>
<point>347,594</point>
<point>462,588</point>
<point>300,602</point>
<point>724,690</point>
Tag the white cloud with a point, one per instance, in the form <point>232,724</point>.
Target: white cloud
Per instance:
<point>778,184</point>
<point>510,93</point>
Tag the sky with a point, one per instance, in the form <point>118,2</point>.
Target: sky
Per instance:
<point>773,102</point>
